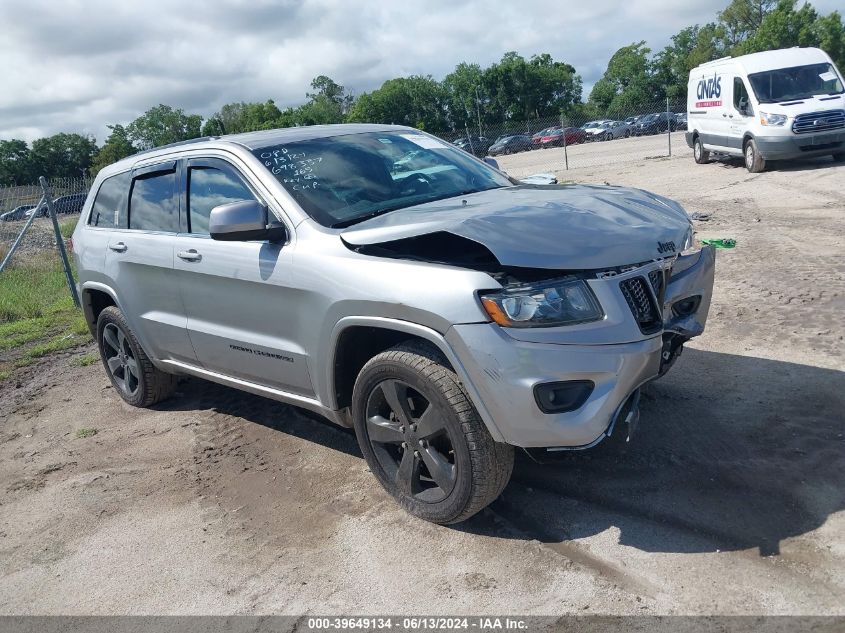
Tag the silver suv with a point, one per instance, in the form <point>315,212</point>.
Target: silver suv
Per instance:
<point>395,284</point>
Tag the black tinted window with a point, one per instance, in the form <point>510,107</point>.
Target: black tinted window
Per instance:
<point>209,187</point>
<point>152,206</point>
<point>109,210</point>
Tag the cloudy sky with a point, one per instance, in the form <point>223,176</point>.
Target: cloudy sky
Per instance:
<point>75,66</point>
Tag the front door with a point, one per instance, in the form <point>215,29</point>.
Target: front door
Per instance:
<point>236,294</point>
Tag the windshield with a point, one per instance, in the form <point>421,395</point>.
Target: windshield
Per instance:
<point>799,82</point>
<point>341,180</point>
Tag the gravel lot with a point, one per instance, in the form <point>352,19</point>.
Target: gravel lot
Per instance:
<point>729,499</point>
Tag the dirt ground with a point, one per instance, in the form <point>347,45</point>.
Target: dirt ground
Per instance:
<point>729,499</point>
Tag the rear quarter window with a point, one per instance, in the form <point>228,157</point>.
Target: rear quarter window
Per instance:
<point>109,209</point>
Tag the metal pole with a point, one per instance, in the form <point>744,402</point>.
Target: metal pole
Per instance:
<point>469,140</point>
<point>59,240</point>
<point>478,111</point>
<point>668,126</point>
<point>565,153</point>
<point>35,211</point>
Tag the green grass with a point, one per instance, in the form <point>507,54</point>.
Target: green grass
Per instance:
<point>67,228</point>
<point>37,315</point>
<point>85,360</point>
<point>83,433</point>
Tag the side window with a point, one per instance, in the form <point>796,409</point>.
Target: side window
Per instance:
<point>209,187</point>
<point>153,205</point>
<point>109,210</point>
<point>741,102</point>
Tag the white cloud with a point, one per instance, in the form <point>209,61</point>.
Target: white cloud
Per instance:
<point>77,66</point>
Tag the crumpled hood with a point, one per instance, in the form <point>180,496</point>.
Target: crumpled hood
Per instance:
<point>574,227</point>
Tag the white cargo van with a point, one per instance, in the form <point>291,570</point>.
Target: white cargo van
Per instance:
<point>781,104</point>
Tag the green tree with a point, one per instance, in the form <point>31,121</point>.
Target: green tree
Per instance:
<point>784,27</point>
<point>741,19</point>
<point>234,118</point>
<point>162,125</point>
<point>63,155</point>
<point>830,32</point>
<point>15,163</point>
<point>690,47</point>
<point>627,83</point>
<point>466,95</point>
<point>416,101</point>
<point>117,146</point>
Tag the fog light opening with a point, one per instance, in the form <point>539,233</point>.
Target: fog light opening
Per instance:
<point>560,397</point>
<point>687,306</point>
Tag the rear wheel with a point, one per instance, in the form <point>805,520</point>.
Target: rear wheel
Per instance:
<point>422,437</point>
<point>754,162</point>
<point>700,154</point>
<point>130,370</point>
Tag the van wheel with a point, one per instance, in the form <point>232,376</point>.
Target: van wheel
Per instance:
<point>700,154</point>
<point>422,437</point>
<point>128,367</point>
<point>753,161</point>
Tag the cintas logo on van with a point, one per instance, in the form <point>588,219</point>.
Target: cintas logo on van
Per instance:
<point>708,92</point>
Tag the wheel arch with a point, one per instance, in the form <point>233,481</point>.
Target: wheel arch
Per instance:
<point>95,298</point>
<point>355,340</point>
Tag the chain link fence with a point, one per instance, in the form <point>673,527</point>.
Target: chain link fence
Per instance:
<point>35,222</point>
<point>553,144</point>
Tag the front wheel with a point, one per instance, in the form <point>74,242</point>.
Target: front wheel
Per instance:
<point>754,162</point>
<point>422,437</point>
<point>127,365</point>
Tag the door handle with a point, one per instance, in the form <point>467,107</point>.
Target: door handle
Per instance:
<point>118,247</point>
<point>189,255</point>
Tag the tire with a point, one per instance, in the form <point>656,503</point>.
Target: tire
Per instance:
<point>409,396</point>
<point>701,155</point>
<point>127,365</point>
<point>754,162</point>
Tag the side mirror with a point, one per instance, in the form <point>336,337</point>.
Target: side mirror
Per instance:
<point>242,221</point>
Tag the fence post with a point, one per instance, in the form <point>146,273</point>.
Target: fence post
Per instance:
<point>469,139</point>
<point>35,211</point>
<point>60,242</point>
<point>668,126</point>
<point>565,153</point>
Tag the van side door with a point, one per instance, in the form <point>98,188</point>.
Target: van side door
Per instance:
<point>237,295</point>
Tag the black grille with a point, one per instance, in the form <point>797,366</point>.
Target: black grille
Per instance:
<point>658,282</point>
<point>819,121</point>
<point>635,291</point>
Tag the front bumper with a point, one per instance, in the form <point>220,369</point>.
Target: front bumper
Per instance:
<point>801,145</point>
<point>504,370</point>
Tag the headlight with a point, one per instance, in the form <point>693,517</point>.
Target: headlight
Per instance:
<point>556,302</point>
<point>772,119</point>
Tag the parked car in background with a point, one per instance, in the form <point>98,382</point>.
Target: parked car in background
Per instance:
<point>681,121</point>
<point>593,128</point>
<point>511,145</point>
<point>569,136</point>
<point>633,119</point>
<point>537,136</point>
<point>616,129</point>
<point>71,203</point>
<point>655,123</point>
<point>18,213</point>
<point>475,145</point>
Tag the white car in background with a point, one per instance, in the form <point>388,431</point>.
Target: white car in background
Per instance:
<point>594,129</point>
<point>611,130</point>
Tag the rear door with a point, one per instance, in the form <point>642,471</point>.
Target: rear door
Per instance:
<point>241,310</point>
<point>139,261</point>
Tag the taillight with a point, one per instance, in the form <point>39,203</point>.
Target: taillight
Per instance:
<point>70,244</point>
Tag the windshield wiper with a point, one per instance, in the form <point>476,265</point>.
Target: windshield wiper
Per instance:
<point>360,218</point>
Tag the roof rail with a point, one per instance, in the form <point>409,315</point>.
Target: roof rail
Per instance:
<point>177,144</point>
